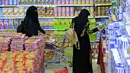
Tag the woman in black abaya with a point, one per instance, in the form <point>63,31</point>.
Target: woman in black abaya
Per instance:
<point>81,57</point>
<point>30,25</point>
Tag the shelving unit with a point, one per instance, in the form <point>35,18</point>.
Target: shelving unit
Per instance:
<point>78,5</point>
<point>103,4</point>
<point>101,16</point>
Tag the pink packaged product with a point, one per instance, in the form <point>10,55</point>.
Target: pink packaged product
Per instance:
<point>67,11</point>
<point>63,11</point>
<point>1,24</point>
<point>55,11</point>
<point>63,1</point>
<point>59,1</point>
<point>4,44</point>
<point>71,11</point>
<point>67,1</point>
<point>59,11</point>
<point>55,1</point>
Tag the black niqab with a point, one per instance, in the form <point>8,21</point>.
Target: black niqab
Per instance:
<point>30,25</point>
<point>80,21</point>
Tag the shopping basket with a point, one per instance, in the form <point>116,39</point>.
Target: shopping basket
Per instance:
<point>61,59</point>
<point>62,71</point>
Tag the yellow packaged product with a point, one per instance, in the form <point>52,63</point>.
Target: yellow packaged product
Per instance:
<point>5,11</point>
<point>21,71</point>
<point>16,11</point>
<point>21,11</point>
<point>10,11</point>
<point>19,64</point>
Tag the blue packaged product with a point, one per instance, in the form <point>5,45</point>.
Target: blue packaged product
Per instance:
<point>97,35</point>
<point>1,24</point>
<point>0,2</point>
<point>10,23</point>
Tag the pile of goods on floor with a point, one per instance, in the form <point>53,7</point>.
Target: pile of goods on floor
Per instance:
<point>20,54</point>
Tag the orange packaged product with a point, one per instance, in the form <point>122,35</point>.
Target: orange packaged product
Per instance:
<point>22,72</point>
<point>30,64</point>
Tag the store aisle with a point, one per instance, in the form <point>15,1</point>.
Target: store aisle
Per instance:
<point>51,68</point>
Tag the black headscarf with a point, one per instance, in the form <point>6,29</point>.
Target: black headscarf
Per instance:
<point>80,21</point>
<point>32,13</point>
<point>84,13</point>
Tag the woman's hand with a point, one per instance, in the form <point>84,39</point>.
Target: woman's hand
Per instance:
<point>100,27</point>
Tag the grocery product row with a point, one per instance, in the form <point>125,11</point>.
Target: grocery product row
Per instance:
<point>102,11</point>
<point>19,53</point>
<point>53,11</point>
<point>45,23</point>
<point>26,2</point>
<point>119,38</point>
<point>45,11</point>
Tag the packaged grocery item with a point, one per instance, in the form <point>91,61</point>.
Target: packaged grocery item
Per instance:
<point>59,11</point>
<point>87,1</point>
<point>6,2</point>
<point>59,1</point>
<point>0,2</point>
<point>83,2</point>
<point>63,2</point>
<point>79,1</point>
<point>67,11</point>
<point>55,1</point>
<point>67,1</point>
<point>5,11</point>
<point>71,11</point>
<point>21,11</point>
<point>16,11</point>
<point>71,1</point>
<point>75,1</point>
<point>1,24</point>
<point>91,1</point>
<point>10,24</point>
<point>6,23</point>
<point>10,11</point>
<point>15,23</point>
<point>63,11</point>
<point>55,11</point>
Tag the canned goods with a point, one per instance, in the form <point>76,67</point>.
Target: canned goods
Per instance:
<point>63,11</point>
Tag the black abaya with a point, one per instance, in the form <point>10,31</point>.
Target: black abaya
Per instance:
<point>30,25</point>
<point>81,58</point>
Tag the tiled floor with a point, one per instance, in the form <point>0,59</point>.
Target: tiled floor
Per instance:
<point>50,68</point>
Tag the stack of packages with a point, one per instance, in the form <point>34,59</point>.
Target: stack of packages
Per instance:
<point>17,42</point>
<point>4,44</point>
<point>35,44</point>
<point>18,60</point>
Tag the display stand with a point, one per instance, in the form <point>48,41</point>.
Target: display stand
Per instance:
<point>100,60</point>
<point>41,65</point>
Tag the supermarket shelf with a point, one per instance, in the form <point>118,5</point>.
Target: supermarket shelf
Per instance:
<point>49,29</point>
<point>65,17</point>
<point>75,5</point>
<point>2,30</point>
<point>47,5</point>
<point>101,16</point>
<point>103,4</point>
<point>94,41</point>
<point>54,29</point>
<point>72,17</point>
<point>26,5</point>
<point>21,17</point>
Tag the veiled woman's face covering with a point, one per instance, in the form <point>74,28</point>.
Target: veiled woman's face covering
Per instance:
<point>32,12</point>
<point>84,13</point>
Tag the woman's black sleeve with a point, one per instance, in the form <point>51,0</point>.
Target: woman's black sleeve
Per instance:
<point>94,30</point>
<point>40,29</point>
